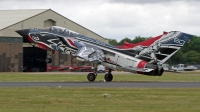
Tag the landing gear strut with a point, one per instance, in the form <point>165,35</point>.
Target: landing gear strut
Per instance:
<point>108,76</point>
<point>92,76</point>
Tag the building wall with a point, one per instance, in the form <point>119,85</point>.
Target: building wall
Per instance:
<point>11,54</point>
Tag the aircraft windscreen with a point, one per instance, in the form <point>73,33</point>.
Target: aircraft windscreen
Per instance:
<point>62,31</point>
<point>57,30</point>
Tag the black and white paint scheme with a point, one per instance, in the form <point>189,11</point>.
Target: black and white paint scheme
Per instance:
<point>145,57</point>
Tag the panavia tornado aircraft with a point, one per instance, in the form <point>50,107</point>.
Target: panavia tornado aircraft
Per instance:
<point>145,57</point>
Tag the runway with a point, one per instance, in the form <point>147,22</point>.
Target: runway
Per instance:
<point>104,84</point>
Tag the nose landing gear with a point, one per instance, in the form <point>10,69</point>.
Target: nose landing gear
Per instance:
<point>91,77</point>
<point>49,60</point>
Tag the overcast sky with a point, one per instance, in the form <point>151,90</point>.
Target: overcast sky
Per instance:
<point>118,19</point>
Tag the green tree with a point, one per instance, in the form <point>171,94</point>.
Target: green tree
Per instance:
<point>138,39</point>
<point>123,40</point>
<point>177,58</point>
<point>192,45</point>
<point>113,41</point>
<point>191,57</point>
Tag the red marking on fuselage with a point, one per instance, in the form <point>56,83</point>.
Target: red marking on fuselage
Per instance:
<point>141,64</point>
<point>70,41</point>
<point>41,46</point>
<point>30,39</point>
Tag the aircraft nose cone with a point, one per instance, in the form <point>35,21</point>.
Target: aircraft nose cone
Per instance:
<point>23,33</point>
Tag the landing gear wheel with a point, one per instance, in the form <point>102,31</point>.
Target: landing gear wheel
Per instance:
<point>91,77</point>
<point>48,60</point>
<point>108,77</point>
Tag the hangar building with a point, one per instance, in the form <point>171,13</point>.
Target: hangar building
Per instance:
<point>16,53</point>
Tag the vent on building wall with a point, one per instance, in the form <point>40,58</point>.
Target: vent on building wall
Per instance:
<point>49,23</point>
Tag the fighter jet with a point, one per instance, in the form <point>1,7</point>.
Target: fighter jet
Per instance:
<point>145,57</point>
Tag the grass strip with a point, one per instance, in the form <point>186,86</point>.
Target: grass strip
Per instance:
<point>55,99</point>
<point>82,77</point>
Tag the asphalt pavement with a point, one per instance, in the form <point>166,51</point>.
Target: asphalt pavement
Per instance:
<point>104,84</point>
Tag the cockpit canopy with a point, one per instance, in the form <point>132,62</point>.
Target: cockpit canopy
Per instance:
<point>61,31</point>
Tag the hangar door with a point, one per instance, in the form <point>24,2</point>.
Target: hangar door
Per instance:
<point>34,59</point>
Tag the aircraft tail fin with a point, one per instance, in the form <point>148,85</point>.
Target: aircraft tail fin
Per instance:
<point>165,47</point>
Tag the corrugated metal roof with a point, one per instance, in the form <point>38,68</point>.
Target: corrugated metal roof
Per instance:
<point>10,17</point>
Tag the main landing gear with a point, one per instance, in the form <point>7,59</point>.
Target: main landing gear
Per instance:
<point>108,76</point>
<point>92,76</point>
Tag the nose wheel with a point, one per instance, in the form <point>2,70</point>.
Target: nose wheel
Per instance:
<point>91,77</point>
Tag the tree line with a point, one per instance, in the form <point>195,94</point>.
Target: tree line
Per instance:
<point>188,54</point>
